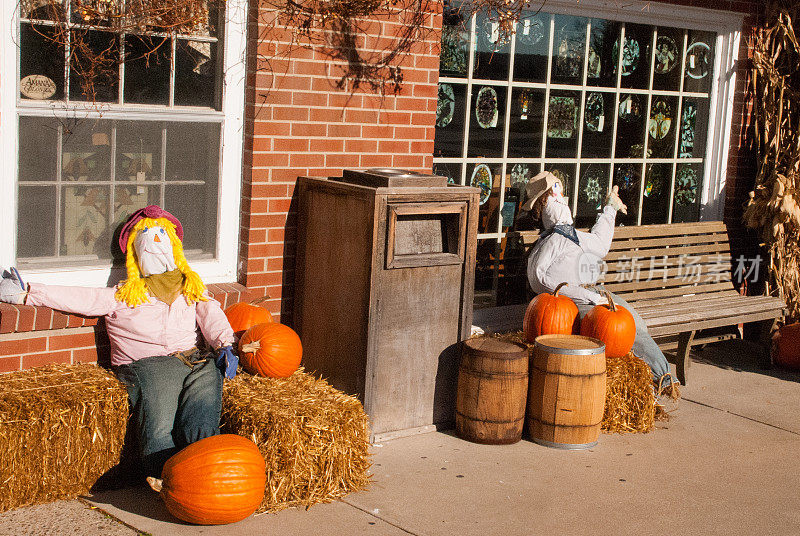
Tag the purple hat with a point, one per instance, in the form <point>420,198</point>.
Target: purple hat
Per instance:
<point>151,211</point>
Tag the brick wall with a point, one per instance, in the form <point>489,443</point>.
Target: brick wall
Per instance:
<point>300,123</point>
<point>34,336</point>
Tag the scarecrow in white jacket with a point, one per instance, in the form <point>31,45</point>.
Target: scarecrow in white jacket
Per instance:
<point>152,320</point>
<point>564,254</point>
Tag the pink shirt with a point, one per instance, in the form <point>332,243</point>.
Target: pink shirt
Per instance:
<point>150,329</point>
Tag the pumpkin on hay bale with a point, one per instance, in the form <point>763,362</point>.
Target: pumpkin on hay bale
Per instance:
<point>630,403</point>
<point>61,428</point>
<point>242,316</point>
<point>314,438</point>
<point>272,350</point>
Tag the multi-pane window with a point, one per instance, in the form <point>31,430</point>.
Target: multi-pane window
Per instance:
<point>98,141</point>
<point>596,102</point>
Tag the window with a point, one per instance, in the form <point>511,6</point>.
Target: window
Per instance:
<point>624,98</point>
<point>149,130</point>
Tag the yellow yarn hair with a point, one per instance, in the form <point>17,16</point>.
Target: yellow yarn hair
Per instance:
<point>133,290</point>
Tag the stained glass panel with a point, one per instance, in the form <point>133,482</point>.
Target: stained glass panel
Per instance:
<point>487,121</point>
<point>655,198</point>
<point>526,123</point>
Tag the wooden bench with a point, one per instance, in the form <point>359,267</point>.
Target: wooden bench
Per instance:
<point>678,277</point>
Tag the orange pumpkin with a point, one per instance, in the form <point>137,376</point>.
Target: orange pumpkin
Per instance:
<point>217,480</point>
<point>550,314</point>
<point>242,316</point>
<point>271,350</point>
<point>612,324</point>
<point>788,346</point>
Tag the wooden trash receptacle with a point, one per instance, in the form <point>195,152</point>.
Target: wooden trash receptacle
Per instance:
<point>492,391</point>
<point>567,391</point>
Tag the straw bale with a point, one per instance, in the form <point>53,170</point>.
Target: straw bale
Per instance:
<point>61,428</point>
<point>630,402</point>
<point>314,438</point>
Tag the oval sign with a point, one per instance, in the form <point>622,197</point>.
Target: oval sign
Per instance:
<point>37,86</point>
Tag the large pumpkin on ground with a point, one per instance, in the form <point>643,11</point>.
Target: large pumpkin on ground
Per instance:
<point>788,346</point>
<point>242,316</point>
<point>271,350</point>
<point>550,314</point>
<point>216,480</point>
<point>612,324</point>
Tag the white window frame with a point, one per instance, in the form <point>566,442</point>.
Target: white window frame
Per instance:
<point>726,24</point>
<point>223,268</point>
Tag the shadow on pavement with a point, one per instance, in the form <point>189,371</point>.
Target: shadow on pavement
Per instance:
<point>741,356</point>
<point>139,500</point>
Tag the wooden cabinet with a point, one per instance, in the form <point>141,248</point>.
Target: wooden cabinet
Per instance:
<point>383,294</point>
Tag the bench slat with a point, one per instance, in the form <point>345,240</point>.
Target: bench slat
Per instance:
<point>677,291</point>
<point>658,330</point>
<point>666,275</point>
<point>712,308</point>
<point>624,265</point>
<point>714,298</point>
<point>673,267</point>
<point>672,229</point>
<point>677,300</point>
<point>670,282</point>
<point>644,231</point>
<point>702,249</point>
<point>622,243</point>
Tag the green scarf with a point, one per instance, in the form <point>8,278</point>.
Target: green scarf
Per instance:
<point>166,287</point>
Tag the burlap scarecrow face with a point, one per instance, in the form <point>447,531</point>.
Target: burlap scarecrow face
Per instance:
<point>151,241</point>
<point>154,251</point>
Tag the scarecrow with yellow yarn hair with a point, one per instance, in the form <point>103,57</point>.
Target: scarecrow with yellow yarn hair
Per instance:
<point>174,389</point>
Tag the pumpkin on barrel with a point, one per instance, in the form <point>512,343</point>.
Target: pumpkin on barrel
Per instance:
<point>550,314</point>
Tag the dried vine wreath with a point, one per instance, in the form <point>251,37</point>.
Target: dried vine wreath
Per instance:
<point>334,27</point>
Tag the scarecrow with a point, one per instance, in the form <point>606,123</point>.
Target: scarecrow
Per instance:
<point>563,254</point>
<point>174,388</point>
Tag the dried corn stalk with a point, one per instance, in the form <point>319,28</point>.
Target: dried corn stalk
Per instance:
<point>774,95</point>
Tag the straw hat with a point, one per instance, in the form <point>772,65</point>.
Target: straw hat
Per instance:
<point>537,186</point>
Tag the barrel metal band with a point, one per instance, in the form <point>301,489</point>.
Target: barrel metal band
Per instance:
<point>554,373</point>
<point>512,421</point>
<point>481,374</point>
<point>571,351</point>
<point>531,417</point>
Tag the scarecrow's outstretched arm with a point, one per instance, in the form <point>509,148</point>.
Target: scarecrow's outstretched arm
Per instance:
<point>75,300</point>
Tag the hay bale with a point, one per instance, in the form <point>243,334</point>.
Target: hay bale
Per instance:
<point>61,428</point>
<point>313,437</point>
<point>630,402</point>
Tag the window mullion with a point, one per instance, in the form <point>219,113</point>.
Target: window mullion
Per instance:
<point>67,52</point>
<point>643,169</point>
<point>173,47</point>
<point>547,90</point>
<point>59,163</point>
<point>470,66</point>
<point>581,113</point>
<point>616,108</point>
<point>163,171</point>
<point>678,130</point>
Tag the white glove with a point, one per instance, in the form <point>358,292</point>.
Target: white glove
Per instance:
<point>613,200</point>
<point>12,288</point>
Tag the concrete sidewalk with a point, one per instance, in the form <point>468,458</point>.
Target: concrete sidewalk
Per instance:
<point>726,464</point>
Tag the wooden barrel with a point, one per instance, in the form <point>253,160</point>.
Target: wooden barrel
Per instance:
<point>567,391</point>
<point>492,391</point>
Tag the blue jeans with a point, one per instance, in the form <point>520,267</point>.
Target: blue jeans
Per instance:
<point>172,404</point>
<point>644,347</point>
